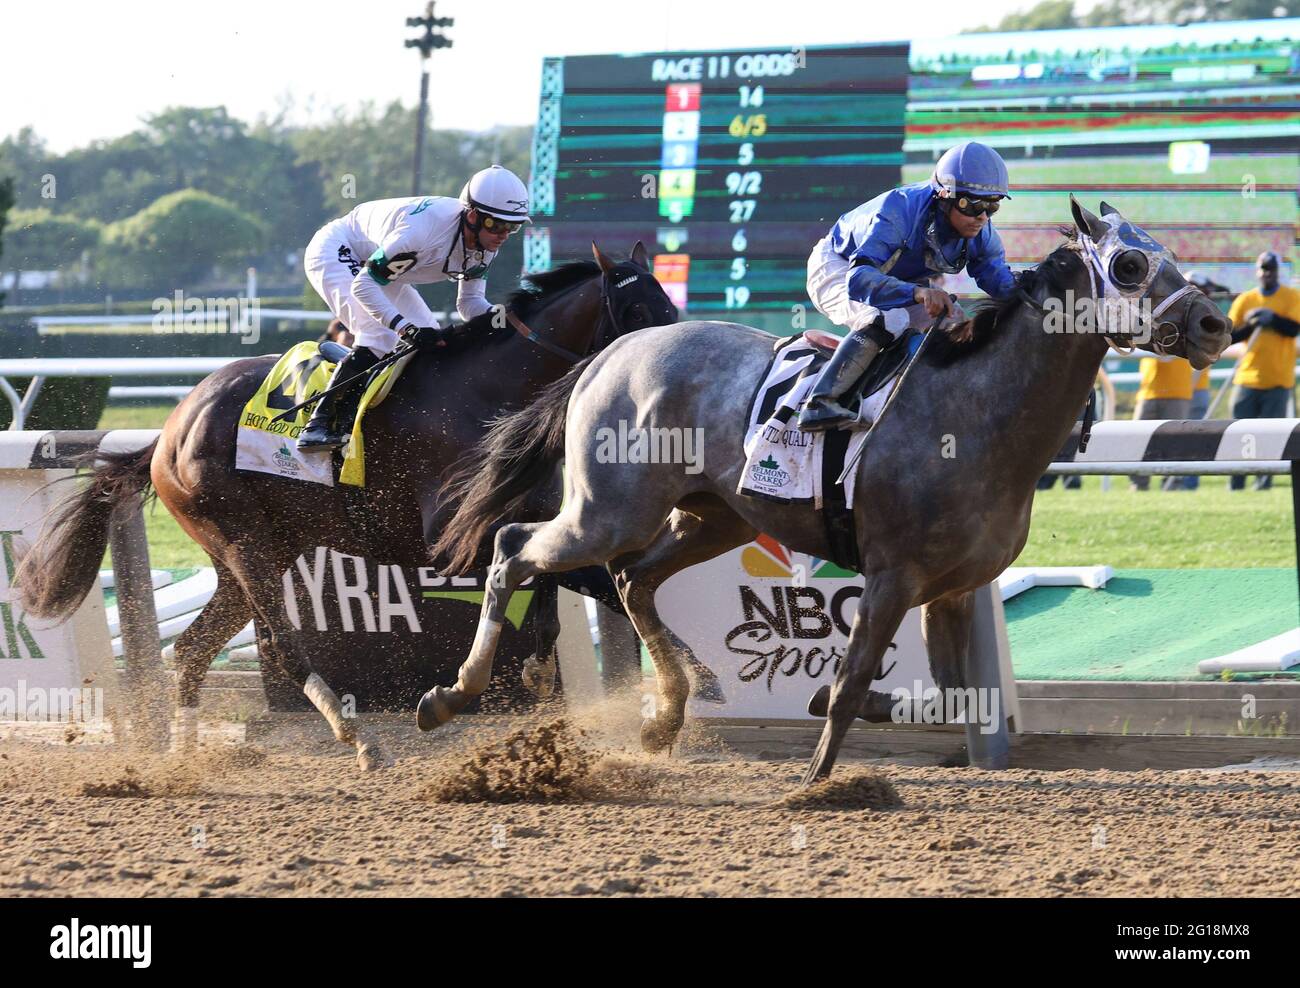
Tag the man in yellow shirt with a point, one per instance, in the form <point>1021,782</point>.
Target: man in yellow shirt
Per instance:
<point>1200,384</point>
<point>1269,316</point>
<point>1165,392</point>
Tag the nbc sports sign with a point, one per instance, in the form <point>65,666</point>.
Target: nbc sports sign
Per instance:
<point>773,625</point>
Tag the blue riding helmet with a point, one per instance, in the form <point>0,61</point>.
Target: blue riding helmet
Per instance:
<point>970,167</point>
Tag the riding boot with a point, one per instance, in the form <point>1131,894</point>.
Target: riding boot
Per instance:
<point>850,361</point>
<point>318,434</point>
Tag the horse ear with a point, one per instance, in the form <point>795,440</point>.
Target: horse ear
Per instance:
<point>639,256</point>
<point>1087,222</point>
<point>606,265</point>
<point>1107,209</point>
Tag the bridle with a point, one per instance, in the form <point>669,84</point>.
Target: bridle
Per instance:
<point>1111,299</point>
<point>564,353</point>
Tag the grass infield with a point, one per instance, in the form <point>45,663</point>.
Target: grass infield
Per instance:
<point>1211,528</point>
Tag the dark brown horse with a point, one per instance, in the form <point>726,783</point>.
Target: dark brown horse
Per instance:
<point>255,526</point>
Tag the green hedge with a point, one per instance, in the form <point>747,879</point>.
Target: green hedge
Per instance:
<point>64,403</point>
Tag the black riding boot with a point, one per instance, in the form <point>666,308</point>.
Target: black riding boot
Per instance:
<point>318,434</point>
<point>850,361</point>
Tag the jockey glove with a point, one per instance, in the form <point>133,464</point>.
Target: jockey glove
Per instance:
<point>426,337</point>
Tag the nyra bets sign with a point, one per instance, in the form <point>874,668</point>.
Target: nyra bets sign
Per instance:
<point>774,625</point>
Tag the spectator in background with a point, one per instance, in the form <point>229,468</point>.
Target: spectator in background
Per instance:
<point>1165,392</point>
<point>1200,385</point>
<point>336,332</point>
<point>1269,317</point>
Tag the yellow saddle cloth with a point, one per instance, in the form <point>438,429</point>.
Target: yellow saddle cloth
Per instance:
<point>268,447</point>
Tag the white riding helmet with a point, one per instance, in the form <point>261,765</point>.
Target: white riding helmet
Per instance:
<point>497,192</point>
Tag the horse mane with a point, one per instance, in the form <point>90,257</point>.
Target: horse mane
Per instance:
<point>534,291</point>
<point>987,313</point>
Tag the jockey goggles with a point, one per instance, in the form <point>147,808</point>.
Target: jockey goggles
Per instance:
<point>498,225</point>
<point>974,206</point>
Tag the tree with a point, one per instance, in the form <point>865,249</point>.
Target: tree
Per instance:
<point>40,240</point>
<point>1046,15</point>
<point>178,240</point>
<point>1053,14</point>
<point>23,157</point>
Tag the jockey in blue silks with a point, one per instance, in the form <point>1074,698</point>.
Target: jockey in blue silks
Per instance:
<point>872,272</point>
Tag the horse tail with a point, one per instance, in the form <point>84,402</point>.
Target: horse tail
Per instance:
<point>518,452</point>
<point>62,566</point>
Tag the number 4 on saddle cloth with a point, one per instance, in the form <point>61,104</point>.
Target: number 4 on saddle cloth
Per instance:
<point>264,446</point>
<point>790,466</point>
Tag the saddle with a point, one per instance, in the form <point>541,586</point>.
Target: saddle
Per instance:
<point>887,365</point>
<point>335,352</point>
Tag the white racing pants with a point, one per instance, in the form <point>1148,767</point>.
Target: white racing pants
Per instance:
<point>331,265</point>
<point>828,288</point>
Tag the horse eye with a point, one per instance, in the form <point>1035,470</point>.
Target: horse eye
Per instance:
<point>1130,267</point>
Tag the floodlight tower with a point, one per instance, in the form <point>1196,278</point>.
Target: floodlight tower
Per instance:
<point>427,42</point>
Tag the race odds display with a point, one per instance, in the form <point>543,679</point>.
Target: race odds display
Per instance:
<point>730,165</point>
<point>723,163</point>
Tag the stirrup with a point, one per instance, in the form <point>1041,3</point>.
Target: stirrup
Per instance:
<point>824,414</point>
<point>309,440</point>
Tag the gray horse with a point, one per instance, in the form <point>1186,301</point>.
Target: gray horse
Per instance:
<point>944,485</point>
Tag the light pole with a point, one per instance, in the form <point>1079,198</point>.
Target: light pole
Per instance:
<point>428,41</point>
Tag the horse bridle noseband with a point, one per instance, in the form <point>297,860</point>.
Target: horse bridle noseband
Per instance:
<point>606,301</point>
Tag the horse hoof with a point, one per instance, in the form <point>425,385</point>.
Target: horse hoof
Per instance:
<point>708,691</point>
<point>434,709</point>
<point>654,738</point>
<point>820,702</point>
<point>539,677</point>
<point>371,757</point>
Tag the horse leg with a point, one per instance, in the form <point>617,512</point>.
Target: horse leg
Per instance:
<point>219,621</point>
<point>581,535</point>
<point>881,610</point>
<point>538,673</point>
<point>690,537</point>
<point>262,583</point>
<point>946,626</point>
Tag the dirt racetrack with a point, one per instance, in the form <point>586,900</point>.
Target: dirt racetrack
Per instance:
<point>298,819</point>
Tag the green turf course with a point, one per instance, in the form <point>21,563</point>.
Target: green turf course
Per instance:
<point>1147,624</point>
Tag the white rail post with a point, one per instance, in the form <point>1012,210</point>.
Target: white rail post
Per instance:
<point>984,673</point>
<point>148,696</point>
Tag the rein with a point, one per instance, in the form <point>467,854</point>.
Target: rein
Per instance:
<point>523,329</point>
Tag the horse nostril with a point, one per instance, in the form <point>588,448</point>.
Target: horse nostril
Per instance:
<point>1214,325</point>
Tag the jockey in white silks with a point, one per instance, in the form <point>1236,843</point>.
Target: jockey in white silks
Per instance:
<point>872,273</point>
<point>366,266</point>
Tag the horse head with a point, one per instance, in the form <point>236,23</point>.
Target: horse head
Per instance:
<point>634,298</point>
<point>1139,295</point>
